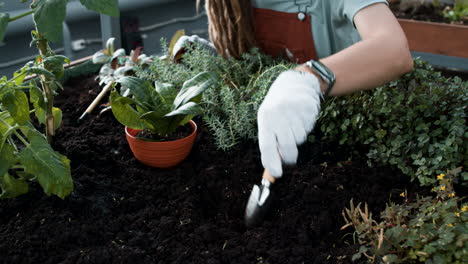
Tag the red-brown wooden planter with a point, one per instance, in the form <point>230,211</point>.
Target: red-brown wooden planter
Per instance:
<point>437,38</point>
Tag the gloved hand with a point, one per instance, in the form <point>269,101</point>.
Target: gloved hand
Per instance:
<point>183,41</point>
<point>285,118</point>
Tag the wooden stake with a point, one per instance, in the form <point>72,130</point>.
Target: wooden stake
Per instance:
<point>96,101</point>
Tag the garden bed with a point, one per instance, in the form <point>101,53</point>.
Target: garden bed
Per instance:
<point>423,12</point>
<point>124,212</point>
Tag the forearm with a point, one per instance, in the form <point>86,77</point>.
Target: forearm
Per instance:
<point>368,64</point>
<point>382,55</point>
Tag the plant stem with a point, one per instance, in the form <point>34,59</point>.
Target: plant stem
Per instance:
<point>25,142</point>
<point>23,87</point>
<point>10,141</point>
<point>18,135</point>
<point>21,16</point>
<point>43,47</point>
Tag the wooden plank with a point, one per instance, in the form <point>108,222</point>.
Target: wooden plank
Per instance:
<point>437,38</point>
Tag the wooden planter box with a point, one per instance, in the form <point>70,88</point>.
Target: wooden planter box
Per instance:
<point>437,38</point>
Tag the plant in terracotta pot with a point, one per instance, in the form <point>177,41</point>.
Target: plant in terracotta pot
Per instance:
<point>157,117</point>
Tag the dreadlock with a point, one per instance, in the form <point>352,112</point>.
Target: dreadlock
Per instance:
<point>230,26</point>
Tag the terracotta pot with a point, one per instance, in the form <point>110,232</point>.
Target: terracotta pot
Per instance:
<point>436,38</point>
<point>160,154</point>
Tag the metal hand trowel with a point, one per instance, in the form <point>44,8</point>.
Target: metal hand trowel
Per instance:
<point>259,201</point>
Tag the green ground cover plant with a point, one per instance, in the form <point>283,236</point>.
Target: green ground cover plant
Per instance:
<point>416,123</point>
<point>26,153</point>
<point>421,230</point>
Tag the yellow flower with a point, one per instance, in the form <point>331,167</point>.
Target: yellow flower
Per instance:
<point>442,188</point>
<point>451,195</point>
<point>457,214</point>
<point>450,225</point>
<point>402,194</point>
<point>441,176</point>
<point>464,208</point>
<point>433,189</point>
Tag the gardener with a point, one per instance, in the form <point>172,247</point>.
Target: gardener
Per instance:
<point>342,46</point>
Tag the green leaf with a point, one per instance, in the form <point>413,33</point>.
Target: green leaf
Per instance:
<point>189,108</point>
<point>4,17</point>
<point>124,112</point>
<point>12,187</point>
<point>194,87</point>
<point>6,117</point>
<point>17,103</point>
<point>7,158</point>
<point>390,258</point>
<point>107,7</point>
<point>37,99</point>
<point>57,113</point>
<point>51,168</point>
<point>141,89</point>
<point>160,125</point>
<point>56,59</point>
<point>380,133</point>
<point>41,71</point>
<point>54,64</point>
<point>49,16</point>
<point>167,91</point>
<point>20,75</point>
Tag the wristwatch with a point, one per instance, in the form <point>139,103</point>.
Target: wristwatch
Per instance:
<point>324,72</point>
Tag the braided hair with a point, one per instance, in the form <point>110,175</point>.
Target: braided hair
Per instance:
<point>230,26</point>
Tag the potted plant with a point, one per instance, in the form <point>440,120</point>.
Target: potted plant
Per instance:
<point>156,117</point>
<point>435,37</point>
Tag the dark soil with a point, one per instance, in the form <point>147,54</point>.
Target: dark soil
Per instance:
<point>124,212</point>
<point>424,12</point>
<point>181,132</point>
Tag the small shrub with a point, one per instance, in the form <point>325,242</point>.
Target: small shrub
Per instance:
<point>417,123</point>
<point>428,230</point>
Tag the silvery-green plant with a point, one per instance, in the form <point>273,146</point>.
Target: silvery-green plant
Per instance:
<point>116,64</point>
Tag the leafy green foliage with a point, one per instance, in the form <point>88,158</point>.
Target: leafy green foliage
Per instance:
<point>458,12</point>
<point>26,155</point>
<point>49,16</point>
<point>427,230</point>
<point>417,123</point>
<point>40,160</point>
<point>231,106</point>
<point>107,7</point>
<point>161,108</point>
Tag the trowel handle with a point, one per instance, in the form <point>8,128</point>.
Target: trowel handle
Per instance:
<point>266,175</point>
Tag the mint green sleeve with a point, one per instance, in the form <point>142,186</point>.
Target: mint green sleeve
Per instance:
<point>351,7</point>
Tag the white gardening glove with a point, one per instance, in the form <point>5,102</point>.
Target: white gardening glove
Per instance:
<point>285,118</point>
<point>183,41</point>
